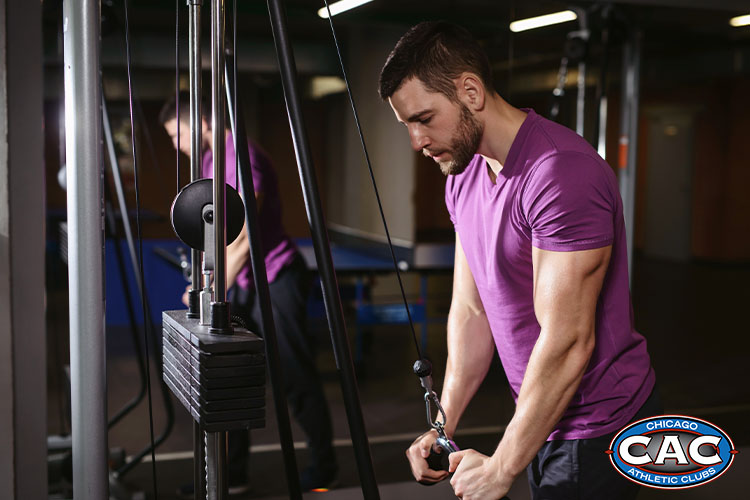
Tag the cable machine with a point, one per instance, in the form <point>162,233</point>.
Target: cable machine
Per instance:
<point>213,366</point>
<point>613,27</point>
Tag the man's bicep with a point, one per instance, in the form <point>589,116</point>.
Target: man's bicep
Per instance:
<point>567,286</point>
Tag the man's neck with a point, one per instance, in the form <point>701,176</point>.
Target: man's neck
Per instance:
<point>501,126</point>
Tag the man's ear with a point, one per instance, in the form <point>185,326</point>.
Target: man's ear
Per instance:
<point>471,91</point>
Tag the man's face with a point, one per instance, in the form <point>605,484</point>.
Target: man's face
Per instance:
<point>444,130</point>
<point>171,128</point>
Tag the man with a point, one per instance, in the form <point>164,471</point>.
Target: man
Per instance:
<point>540,272</point>
<point>288,283</point>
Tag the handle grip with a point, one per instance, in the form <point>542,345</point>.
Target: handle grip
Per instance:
<point>440,461</point>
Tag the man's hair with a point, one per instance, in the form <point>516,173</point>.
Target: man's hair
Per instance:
<point>435,52</point>
<point>169,110</point>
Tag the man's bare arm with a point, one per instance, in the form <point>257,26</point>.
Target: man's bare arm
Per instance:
<point>470,351</point>
<point>566,290</point>
<point>239,251</point>
<point>470,343</point>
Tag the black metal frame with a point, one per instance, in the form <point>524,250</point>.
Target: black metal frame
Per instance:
<point>331,297</point>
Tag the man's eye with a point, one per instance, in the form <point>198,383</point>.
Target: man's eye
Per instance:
<point>425,121</point>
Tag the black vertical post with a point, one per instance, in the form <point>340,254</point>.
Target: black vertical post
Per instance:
<point>199,462</point>
<point>323,252</point>
<point>260,278</point>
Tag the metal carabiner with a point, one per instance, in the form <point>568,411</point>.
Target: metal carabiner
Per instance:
<point>430,396</point>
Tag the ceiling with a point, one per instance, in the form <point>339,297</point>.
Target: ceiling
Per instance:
<point>696,26</point>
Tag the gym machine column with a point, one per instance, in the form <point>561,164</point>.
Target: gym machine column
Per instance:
<point>85,256</point>
<point>196,141</point>
<point>322,247</point>
<point>628,143</point>
<point>216,442</point>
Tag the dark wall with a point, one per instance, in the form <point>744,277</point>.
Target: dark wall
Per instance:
<point>720,228</point>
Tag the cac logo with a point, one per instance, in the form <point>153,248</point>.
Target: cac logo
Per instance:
<point>671,452</point>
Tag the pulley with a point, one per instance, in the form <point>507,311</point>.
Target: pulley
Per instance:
<point>189,217</point>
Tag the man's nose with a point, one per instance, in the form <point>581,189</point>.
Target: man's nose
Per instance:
<point>419,141</point>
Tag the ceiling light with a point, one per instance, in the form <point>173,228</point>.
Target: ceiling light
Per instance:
<point>321,86</point>
<point>538,22</point>
<point>740,21</point>
<point>341,6</point>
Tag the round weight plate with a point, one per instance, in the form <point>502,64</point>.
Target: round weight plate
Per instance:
<point>187,208</point>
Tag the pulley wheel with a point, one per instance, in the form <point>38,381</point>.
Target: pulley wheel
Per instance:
<point>187,209</point>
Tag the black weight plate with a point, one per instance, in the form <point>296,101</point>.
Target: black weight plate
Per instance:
<point>241,341</point>
<point>255,362</point>
<point>211,378</point>
<point>213,416</point>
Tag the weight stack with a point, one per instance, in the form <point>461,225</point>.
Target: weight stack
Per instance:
<point>219,379</point>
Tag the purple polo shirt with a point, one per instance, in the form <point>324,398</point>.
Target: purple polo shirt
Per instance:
<point>554,193</point>
<point>278,248</point>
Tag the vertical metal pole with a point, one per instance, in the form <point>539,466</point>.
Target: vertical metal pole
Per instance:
<point>584,34</point>
<point>196,141</point>
<point>117,179</point>
<point>85,251</point>
<point>601,88</point>
<point>261,286</point>
<point>601,140</point>
<point>199,462</point>
<point>629,136</point>
<point>216,448</point>
<point>218,145</point>
<point>120,191</point>
<point>216,462</point>
<point>581,99</point>
<point>196,131</point>
<point>323,252</point>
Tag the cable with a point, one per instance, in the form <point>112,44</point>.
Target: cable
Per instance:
<point>237,140</point>
<point>374,184</point>
<point>146,321</point>
<point>177,83</point>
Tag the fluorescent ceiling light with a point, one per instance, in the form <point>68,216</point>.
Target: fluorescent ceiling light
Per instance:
<point>321,86</point>
<point>538,22</point>
<point>341,6</point>
<point>740,21</point>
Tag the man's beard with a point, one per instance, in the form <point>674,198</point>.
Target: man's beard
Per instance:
<point>464,144</point>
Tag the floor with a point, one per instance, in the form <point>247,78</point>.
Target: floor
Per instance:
<point>693,316</point>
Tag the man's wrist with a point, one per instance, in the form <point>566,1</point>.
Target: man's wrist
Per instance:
<point>503,474</point>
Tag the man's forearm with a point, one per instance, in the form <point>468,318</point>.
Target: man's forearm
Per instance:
<point>237,255</point>
<point>470,351</point>
<point>552,378</point>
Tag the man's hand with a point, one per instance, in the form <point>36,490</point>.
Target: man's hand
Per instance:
<point>477,476</point>
<point>186,296</point>
<point>417,455</point>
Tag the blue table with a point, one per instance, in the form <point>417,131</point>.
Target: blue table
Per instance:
<point>362,262</point>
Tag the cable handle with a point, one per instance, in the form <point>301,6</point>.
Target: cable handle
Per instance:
<point>438,460</point>
<point>423,369</point>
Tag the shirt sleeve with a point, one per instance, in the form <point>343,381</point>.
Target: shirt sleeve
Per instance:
<point>569,203</point>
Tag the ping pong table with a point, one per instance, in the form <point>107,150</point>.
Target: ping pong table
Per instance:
<point>361,259</point>
<point>358,258</point>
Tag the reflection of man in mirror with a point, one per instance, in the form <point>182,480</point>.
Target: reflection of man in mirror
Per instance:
<point>289,282</point>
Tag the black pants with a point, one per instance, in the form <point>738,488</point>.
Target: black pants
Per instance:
<point>302,385</point>
<point>578,469</point>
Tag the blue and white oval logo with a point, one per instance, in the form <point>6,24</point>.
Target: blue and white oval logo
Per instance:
<point>671,452</point>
